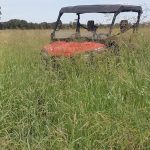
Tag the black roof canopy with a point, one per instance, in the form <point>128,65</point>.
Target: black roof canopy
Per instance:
<point>101,9</point>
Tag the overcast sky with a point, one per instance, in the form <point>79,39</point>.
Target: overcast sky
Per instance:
<point>47,10</point>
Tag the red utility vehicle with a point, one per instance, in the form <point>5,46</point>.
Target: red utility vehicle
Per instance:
<point>95,42</point>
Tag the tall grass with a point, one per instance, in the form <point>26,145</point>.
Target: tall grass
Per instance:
<point>104,105</point>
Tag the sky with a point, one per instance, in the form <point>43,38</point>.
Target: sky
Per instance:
<point>47,10</point>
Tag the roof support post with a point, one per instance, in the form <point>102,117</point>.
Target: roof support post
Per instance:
<point>113,22</point>
<point>56,25</point>
<point>136,26</point>
<point>78,24</point>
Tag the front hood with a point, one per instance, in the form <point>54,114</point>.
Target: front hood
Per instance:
<point>69,49</point>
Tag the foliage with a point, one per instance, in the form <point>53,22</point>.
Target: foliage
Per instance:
<point>22,24</point>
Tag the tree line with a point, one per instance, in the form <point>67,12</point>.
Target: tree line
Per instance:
<point>22,24</point>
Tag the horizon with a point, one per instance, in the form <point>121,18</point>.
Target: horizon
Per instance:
<point>148,21</point>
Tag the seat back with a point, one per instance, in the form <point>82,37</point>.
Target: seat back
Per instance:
<point>91,25</point>
<point>124,25</point>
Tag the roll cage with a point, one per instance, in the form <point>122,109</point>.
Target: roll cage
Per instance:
<point>83,9</point>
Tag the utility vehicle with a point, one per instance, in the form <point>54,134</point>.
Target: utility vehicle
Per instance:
<point>62,46</point>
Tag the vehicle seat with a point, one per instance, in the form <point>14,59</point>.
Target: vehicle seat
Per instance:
<point>124,25</point>
<point>91,26</point>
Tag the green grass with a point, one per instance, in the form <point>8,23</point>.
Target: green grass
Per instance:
<point>105,105</point>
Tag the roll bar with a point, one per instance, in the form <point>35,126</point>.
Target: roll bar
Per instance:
<point>79,25</point>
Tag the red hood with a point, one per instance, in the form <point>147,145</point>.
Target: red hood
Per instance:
<point>68,49</point>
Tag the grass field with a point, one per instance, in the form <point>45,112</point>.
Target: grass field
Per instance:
<point>100,106</point>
